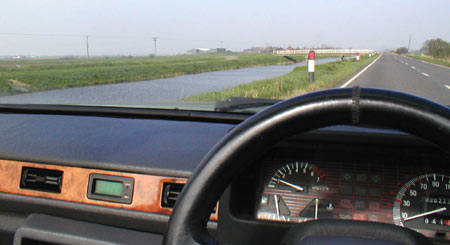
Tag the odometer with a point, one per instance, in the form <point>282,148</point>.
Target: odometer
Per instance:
<point>424,203</point>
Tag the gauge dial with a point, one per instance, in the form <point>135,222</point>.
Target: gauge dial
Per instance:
<point>424,203</point>
<point>293,194</point>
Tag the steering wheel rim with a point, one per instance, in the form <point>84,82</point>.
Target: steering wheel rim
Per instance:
<point>232,154</point>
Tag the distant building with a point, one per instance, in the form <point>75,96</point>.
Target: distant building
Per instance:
<point>218,50</point>
<point>206,50</point>
<point>198,51</point>
<point>268,49</point>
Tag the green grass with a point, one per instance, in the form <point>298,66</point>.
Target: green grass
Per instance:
<point>292,84</point>
<point>441,62</point>
<point>46,74</point>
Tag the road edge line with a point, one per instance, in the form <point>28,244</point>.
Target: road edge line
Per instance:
<point>426,62</point>
<point>359,73</point>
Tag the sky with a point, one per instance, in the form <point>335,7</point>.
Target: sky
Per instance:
<point>118,27</point>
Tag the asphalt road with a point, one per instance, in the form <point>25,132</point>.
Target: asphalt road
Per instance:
<point>408,75</point>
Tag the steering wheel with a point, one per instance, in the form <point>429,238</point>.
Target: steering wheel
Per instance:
<point>350,106</point>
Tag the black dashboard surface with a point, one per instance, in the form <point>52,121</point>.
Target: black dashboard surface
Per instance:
<point>164,147</point>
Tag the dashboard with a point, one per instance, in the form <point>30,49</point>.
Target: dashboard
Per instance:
<point>338,172</point>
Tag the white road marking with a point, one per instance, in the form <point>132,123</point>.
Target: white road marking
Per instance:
<point>413,67</point>
<point>406,63</point>
<point>447,86</point>
<point>359,73</point>
<point>423,73</point>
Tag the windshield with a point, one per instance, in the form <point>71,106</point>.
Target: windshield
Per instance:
<point>231,56</point>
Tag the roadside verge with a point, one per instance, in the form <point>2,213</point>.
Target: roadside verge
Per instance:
<point>295,83</point>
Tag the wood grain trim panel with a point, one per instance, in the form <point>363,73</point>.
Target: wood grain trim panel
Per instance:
<point>146,193</point>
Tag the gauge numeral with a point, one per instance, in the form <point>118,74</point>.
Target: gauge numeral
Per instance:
<point>447,186</point>
<point>413,193</point>
<point>404,215</point>
<point>423,186</point>
<point>435,184</point>
<point>406,203</point>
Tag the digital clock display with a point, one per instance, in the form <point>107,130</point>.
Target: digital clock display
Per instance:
<point>108,188</point>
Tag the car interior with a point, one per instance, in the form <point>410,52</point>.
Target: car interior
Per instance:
<point>339,166</point>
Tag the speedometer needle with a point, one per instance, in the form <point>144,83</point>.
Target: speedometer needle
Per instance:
<point>292,185</point>
<point>426,213</point>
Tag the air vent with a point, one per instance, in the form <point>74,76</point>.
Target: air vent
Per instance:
<point>170,194</point>
<point>41,179</point>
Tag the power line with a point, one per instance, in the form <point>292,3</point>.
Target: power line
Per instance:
<point>39,34</point>
<point>142,37</point>
<point>125,36</point>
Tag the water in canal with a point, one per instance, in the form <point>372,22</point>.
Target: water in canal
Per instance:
<point>159,90</point>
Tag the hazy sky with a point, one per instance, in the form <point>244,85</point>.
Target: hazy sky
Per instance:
<point>126,27</point>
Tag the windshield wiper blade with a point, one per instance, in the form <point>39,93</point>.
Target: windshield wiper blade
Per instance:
<point>242,103</point>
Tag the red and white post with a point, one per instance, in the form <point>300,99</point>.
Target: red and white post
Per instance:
<point>357,56</point>
<point>311,64</point>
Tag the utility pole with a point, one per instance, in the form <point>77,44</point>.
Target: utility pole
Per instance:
<point>221,42</point>
<point>155,39</point>
<point>409,43</point>
<point>87,46</point>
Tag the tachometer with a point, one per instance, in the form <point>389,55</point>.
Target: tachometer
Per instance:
<point>424,203</point>
<point>294,193</point>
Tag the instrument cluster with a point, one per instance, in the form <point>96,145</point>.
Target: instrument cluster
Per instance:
<point>416,197</point>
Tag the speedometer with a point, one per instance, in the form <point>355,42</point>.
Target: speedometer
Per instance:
<point>424,203</point>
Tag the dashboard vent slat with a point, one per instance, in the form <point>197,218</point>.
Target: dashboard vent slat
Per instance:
<point>170,193</point>
<point>41,179</point>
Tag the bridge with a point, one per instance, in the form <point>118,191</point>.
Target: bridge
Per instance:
<point>297,52</point>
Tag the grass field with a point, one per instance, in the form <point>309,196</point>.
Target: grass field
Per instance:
<point>292,84</point>
<point>30,75</point>
<point>429,59</point>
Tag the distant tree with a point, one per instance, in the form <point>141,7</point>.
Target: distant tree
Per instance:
<point>402,50</point>
<point>437,48</point>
